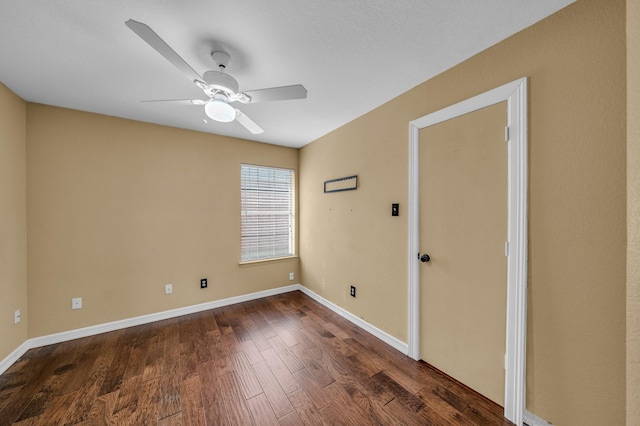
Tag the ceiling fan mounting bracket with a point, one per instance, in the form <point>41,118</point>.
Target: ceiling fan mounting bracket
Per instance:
<point>221,59</point>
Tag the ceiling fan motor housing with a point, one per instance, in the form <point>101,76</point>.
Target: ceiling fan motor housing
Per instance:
<point>221,81</point>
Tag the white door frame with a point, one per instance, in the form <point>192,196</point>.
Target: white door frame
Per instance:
<point>515,93</point>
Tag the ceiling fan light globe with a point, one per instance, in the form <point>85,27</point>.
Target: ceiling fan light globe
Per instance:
<point>219,110</point>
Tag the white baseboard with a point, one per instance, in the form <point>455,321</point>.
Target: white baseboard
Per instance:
<point>158,316</point>
<point>64,336</point>
<point>371,329</point>
<point>531,419</point>
<point>14,356</point>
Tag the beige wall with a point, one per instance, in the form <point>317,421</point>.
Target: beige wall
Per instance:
<point>575,60</point>
<point>13,221</point>
<point>118,208</point>
<point>633,213</point>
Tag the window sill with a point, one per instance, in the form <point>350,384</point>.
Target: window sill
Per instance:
<point>270,260</point>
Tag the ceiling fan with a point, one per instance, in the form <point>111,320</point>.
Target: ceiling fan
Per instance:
<point>221,88</point>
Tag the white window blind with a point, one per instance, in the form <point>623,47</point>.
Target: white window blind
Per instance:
<point>267,212</point>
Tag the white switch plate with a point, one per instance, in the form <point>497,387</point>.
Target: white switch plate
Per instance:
<point>76,303</point>
<point>168,288</point>
<point>290,276</point>
<point>16,316</point>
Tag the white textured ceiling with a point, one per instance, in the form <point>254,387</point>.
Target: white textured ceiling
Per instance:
<point>351,55</point>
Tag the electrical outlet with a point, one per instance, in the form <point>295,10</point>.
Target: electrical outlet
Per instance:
<point>352,291</point>
<point>203,283</point>
<point>168,288</point>
<point>76,303</point>
<point>16,316</point>
<point>290,276</point>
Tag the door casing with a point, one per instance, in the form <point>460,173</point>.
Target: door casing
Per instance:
<point>515,93</point>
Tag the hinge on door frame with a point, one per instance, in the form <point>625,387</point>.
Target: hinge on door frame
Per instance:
<point>507,133</point>
<point>506,248</point>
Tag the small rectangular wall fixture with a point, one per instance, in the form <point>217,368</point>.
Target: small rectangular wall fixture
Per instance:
<point>348,183</point>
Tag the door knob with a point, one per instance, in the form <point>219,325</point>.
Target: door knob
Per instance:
<point>425,258</point>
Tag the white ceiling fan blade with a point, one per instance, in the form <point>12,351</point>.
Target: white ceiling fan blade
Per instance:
<point>181,101</point>
<point>154,40</point>
<point>283,93</point>
<point>248,123</point>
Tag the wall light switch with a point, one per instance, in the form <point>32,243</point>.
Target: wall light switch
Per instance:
<point>395,209</point>
<point>168,289</point>
<point>16,316</point>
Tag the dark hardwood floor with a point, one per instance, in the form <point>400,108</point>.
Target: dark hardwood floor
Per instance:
<point>282,360</point>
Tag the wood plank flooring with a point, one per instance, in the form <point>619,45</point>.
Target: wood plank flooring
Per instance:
<point>281,360</point>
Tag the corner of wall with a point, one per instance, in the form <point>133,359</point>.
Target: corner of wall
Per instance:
<point>13,218</point>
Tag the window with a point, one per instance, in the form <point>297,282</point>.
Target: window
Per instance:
<point>267,212</point>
